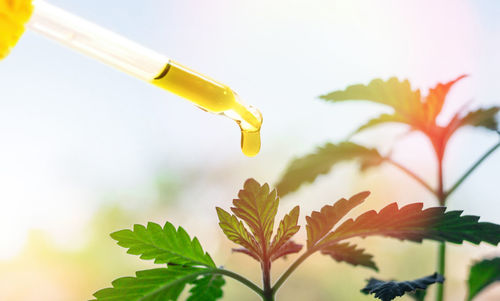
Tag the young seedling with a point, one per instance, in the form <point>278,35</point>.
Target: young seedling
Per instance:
<point>413,111</point>
<point>251,225</point>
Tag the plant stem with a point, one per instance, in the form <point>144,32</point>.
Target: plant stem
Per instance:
<point>442,246</point>
<point>472,168</point>
<point>442,197</point>
<point>411,174</point>
<point>241,279</point>
<point>441,270</point>
<point>290,270</point>
<point>266,279</point>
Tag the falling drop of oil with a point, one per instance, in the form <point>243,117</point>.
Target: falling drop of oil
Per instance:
<point>250,143</point>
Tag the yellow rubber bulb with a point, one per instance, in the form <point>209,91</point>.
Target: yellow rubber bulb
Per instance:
<point>14,14</point>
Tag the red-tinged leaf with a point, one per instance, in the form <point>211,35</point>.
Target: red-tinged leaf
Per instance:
<point>257,207</point>
<point>434,101</point>
<point>414,224</point>
<point>320,223</point>
<point>236,232</point>
<point>307,168</point>
<point>346,252</point>
<point>247,252</point>
<point>286,229</point>
<point>288,248</point>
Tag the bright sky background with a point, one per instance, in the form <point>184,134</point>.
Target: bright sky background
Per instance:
<point>73,131</point>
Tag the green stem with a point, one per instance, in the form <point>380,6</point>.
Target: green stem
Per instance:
<point>241,279</point>
<point>472,168</point>
<point>441,261</point>
<point>290,270</point>
<point>266,279</point>
<point>268,296</point>
<point>441,270</point>
<point>442,197</point>
<point>411,174</point>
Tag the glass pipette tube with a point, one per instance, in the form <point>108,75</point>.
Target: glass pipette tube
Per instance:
<point>145,64</point>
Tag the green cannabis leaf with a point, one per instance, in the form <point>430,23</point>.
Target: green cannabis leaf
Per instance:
<point>187,264</point>
<point>388,290</point>
<point>151,285</point>
<point>306,169</point>
<point>483,274</point>
<point>207,288</point>
<point>255,208</point>
<point>164,245</point>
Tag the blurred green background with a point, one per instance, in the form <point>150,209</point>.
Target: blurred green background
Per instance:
<point>87,150</point>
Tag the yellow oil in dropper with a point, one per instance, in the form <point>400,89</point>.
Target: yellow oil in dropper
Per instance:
<point>132,58</point>
<point>214,97</point>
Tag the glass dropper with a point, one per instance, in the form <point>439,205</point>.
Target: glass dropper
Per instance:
<point>145,64</point>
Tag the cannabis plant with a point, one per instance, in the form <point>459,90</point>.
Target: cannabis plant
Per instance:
<point>251,225</point>
<point>410,109</point>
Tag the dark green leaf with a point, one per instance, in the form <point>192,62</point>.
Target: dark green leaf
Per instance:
<point>482,274</point>
<point>306,169</point>
<point>207,288</point>
<point>414,224</point>
<point>164,245</point>
<point>418,295</point>
<point>346,252</point>
<point>150,285</point>
<point>388,290</point>
<point>320,223</point>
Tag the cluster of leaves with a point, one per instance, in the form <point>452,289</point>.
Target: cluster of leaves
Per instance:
<point>409,108</point>
<point>251,225</point>
<point>186,262</point>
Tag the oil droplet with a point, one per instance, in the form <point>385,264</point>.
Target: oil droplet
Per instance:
<point>250,143</point>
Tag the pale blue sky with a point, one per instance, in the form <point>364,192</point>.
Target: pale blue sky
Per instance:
<point>74,130</point>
